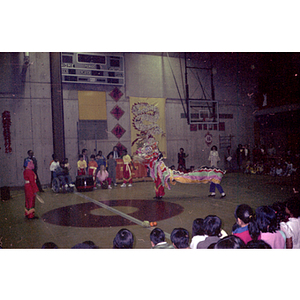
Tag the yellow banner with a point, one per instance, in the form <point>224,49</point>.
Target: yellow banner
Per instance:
<point>147,117</point>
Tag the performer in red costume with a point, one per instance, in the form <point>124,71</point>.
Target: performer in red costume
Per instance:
<point>30,189</point>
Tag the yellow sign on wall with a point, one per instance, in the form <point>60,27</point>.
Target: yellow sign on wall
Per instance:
<point>92,105</point>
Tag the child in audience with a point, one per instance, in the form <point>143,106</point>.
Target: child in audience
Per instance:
<point>292,227</point>
<point>103,178</point>
<point>212,228</point>
<point>180,238</point>
<point>123,239</point>
<point>93,168</point>
<point>198,234</point>
<point>245,226</point>
<point>127,176</point>
<point>81,166</point>
<point>230,242</point>
<point>267,224</point>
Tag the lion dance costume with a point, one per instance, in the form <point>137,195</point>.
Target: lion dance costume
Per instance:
<point>151,157</point>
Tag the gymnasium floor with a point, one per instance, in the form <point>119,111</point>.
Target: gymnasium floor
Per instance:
<point>71,218</point>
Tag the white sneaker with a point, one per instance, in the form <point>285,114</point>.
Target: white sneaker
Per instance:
<point>109,187</point>
<point>66,186</point>
<point>123,185</point>
<point>115,184</point>
<point>71,185</point>
<point>129,184</point>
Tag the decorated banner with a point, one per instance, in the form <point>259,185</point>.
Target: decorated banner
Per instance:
<point>147,117</point>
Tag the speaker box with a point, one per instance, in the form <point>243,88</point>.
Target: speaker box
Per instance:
<point>5,193</point>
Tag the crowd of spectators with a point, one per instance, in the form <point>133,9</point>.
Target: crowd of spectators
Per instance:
<point>268,227</point>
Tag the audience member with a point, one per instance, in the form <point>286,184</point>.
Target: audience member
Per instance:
<point>114,152</point>
<point>214,156</point>
<point>180,238</point>
<point>212,229</point>
<point>230,242</point>
<point>181,160</point>
<point>112,168</point>
<point>85,245</point>
<point>81,166</point>
<point>157,238</point>
<point>123,239</point>
<point>127,175</point>
<point>198,234</point>
<point>92,168</point>
<point>258,244</point>
<point>49,245</point>
<point>245,227</point>
<point>292,227</point>
<point>103,178</point>
<point>267,224</point>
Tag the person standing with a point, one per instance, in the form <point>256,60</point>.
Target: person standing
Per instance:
<point>31,189</point>
<point>115,153</point>
<point>214,156</point>
<point>32,157</point>
<point>181,160</point>
<point>239,156</point>
<point>84,153</point>
<point>228,159</point>
<point>111,167</point>
<point>127,175</point>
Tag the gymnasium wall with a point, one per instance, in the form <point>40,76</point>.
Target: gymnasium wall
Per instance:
<point>153,75</point>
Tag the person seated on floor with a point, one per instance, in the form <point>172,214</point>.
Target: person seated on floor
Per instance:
<point>123,239</point>
<point>157,239</point>
<point>292,227</point>
<point>103,178</point>
<point>180,238</point>
<point>258,244</point>
<point>230,242</point>
<point>212,228</point>
<point>85,245</point>
<point>267,224</point>
<point>49,245</point>
<point>245,226</point>
<point>198,234</point>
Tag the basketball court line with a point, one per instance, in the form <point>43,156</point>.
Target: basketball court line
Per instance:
<point>132,219</point>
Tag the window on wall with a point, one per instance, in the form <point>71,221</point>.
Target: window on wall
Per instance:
<point>92,115</point>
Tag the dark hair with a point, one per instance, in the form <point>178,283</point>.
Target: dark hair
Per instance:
<point>214,146</point>
<point>123,239</point>
<point>258,244</point>
<point>92,156</point>
<point>279,208</point>
<point>49,245</point>
<point>198,228</point>
<point>83,150</point>
<point>84,246</point>
<point>212,225</point>
<point>157,236</point>
<point>230,242</point>
<point>245,213</point>
<point>80,155</point>
<point>266,219</point>
<point>293,206</point>
<point>180,238</point>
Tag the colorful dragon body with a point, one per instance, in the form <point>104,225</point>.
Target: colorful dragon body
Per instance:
<point>151,157</point>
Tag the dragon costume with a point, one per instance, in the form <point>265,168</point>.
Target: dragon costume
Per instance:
<point>151,157</point>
